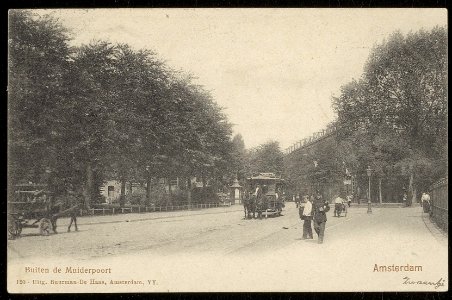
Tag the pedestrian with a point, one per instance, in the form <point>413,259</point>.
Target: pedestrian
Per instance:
<point>349,200</point>
<point>405,198</point>
<point>425,202</point>
<point>300,210</point>
<point>259,200</point>
<point>338,206</point>
<point>320,208</point>
<point>306,216</point>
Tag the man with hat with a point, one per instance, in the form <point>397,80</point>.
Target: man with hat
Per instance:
<point>320,208</point>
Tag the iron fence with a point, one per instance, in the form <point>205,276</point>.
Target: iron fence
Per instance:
<point>145,209</point>
<point>439,203</point>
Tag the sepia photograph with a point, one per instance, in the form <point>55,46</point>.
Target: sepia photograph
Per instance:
<point>227,150</point>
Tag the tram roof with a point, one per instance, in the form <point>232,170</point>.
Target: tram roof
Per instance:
<point>265,176</point>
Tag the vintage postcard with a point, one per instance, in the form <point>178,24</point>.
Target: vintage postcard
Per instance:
<point>227,150</point>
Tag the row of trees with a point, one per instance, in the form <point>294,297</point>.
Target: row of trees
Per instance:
<point>79,115</point>
<point>394,118</point>
<point>266,157</point>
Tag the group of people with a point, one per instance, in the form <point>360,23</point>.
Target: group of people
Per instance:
<point>425,201</point>
<point>314,210</point>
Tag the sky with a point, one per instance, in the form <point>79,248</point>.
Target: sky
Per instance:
<point>274,71</point>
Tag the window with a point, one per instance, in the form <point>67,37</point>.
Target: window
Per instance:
<point>111,190</point>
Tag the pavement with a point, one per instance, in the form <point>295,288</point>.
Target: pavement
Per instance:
<point>217,249</point>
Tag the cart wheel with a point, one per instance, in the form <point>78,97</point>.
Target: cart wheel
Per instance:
<point>14,229</point>
<point>45,226</point>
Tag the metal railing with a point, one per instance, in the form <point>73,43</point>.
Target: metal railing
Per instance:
<point>439,203</point>
<point>145,209</point>
<point>316,136</point>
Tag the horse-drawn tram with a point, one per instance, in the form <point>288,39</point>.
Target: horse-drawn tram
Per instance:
<point>270,200</point>
<point>29,206</point>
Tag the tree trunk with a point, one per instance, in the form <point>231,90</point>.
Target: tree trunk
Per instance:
<point>122,197</point>
<point>379,191</point>
<point>189,190</point>
<point>88,186</point>
<point>204,192</point>
<point>203,181</point>
<point>148,190</point>
<point>170,193</point>
<point>358,193</point>
<point>413,199</point>
<point>411,190</point>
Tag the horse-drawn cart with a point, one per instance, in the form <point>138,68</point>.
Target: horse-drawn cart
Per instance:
<point>29,207</point>
<point>271,202</point>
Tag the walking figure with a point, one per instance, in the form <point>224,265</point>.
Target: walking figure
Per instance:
<point>320,209</point>
<point>306,216</point>
<point>425,202</point>
<point>349,200</point>
<point>339,206</point>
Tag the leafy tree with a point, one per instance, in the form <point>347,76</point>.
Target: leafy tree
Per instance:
<point>239,163</point>
<point>102,110</point>
<point>399,107</point>
<point>38,61</point>
<point>267,157</point>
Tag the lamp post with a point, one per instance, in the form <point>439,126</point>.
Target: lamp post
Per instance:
<point>369,208</point>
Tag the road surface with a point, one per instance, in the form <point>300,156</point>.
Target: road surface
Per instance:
<point>240,255</point>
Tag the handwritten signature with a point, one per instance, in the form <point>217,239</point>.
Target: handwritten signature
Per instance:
<point>436,284</point>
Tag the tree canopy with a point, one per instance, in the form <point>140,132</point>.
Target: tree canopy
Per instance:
<point>104,110</point>
<point>266,157</point>
<point>395,115</point>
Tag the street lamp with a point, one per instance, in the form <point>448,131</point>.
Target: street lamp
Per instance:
<point>369,208</point>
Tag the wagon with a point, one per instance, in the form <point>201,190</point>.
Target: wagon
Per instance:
<point>339,209</point>
<point>29,207</point>
<point>272,191</point>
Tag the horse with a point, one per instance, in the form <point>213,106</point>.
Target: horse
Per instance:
<point>249,206</point>
<point>73,214</point>
<point>245,201</point>
<point>70,206</point>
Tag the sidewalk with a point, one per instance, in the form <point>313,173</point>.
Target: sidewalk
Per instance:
<point>135,217</point>
<point>440,235</point>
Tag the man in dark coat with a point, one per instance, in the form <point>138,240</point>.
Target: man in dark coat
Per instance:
<point>320,207</point>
